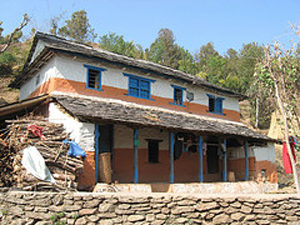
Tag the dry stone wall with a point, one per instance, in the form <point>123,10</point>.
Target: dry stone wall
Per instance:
<point>88,208</point>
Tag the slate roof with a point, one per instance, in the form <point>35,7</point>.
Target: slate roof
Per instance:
<point>92,109</point>
<point>57,44</point>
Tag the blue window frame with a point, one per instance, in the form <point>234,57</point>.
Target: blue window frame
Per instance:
<point>139,87</point>
<point>215,104</point>
<point>93,77</point>
<point>178,95</point>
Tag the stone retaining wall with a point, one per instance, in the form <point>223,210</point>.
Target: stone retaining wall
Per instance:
<point>116,208</point>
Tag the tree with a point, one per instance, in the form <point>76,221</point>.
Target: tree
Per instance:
<point>54,23</point>
<point>186,63</point>
<point>116,43</point>
<point>14,36</point>
<point>250,55</point>
<point>202,58</point>
<point>279,72</point>
<point>164,50</point>
<point>77,28</point>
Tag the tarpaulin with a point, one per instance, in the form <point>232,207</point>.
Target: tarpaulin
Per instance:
<point>75,149</point>
<point>34,163</point>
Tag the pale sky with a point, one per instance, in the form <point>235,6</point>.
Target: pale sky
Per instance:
<point>226,23</point>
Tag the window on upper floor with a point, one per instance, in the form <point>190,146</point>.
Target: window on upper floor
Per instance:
<point>139,87</point>
<point>215,104</point>
<point>37,81</point>
<point>178,95</point>
<point>94,75</point>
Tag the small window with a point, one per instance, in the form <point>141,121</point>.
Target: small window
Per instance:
<point>139,87</point>
<point>94,77</point>
<point>178,95</point>
<point>215,104</point>
<point>211,104</point>
<point>37,81</point>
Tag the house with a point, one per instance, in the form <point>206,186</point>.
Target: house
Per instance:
<point>153,124</point>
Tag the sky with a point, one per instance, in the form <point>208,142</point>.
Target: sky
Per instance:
<point>225,23</point>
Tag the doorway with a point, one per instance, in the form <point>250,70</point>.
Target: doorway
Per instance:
<point>212,160</point>
<point>105,150</point>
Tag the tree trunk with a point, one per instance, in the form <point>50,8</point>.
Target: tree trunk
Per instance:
<point>286,134</point>
<point>257,112</point>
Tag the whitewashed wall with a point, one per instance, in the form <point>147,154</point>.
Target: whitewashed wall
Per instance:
<point>38,49</point>
<point>81,133</point>
<point>265,153</point>
<point>123,137</point>
<point>239,153</point>
<point>74,70</point>
<point>47,72</point>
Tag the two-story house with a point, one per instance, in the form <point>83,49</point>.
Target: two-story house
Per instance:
<point>154,123</point>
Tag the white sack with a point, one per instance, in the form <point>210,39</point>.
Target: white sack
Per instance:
<point>34,163</point>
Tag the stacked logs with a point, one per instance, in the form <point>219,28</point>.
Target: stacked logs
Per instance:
<point>64,169</point>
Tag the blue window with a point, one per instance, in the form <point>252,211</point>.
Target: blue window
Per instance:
<point>93,80</point>
<point>178,95</point>
<point>215,104</point>
<point>139,87</point>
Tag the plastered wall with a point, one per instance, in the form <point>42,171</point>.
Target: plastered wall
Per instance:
<point>264,153</point>
<point>74,70</point>
<point>81,133</point>
<point>41,77</point>
<point>123,137</point>
<point>71,74</point>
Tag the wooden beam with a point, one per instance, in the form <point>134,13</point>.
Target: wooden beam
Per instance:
<point>171,159</point>
<point>136,156</point>
<point>246,160</point>
<point>200,158</point>
<point>224,146</point>
<point>97,151</point>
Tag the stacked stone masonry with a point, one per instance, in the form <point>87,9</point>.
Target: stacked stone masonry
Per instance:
<point>88,208</point>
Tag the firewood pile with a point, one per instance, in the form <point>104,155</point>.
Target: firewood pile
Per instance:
<point>19,135</point>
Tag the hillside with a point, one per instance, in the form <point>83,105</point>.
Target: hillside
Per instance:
<point>7,94</point>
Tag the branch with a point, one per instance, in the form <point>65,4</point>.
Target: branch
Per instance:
<point>296,29</point>
<point>11,36</point>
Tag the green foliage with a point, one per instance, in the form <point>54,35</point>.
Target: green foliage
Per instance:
<point>186,62</point>
<point>164,50</point>
<point>250,55</point>
<point>7,58</point>
<point>77,28</point>
<point>281,68</point>
<point>56,218</point>
<point>117,44</point>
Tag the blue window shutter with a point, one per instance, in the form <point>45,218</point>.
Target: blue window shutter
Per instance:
<point>133,87</point>
<point>144,89</point>
<point>145,85</point>
<point>219,105</point>
<point>139,86</point>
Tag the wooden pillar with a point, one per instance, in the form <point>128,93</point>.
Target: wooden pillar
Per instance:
<point>171,159</point>
<point>97,136</point>
<point>246,161</point>
<point>225,161</point>
<point>136,156</point>
<point>200,159</point>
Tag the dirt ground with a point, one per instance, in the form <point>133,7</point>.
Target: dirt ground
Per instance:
<point>7,94</point>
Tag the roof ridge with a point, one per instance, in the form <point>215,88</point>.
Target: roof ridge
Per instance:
<point>185,76</point>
